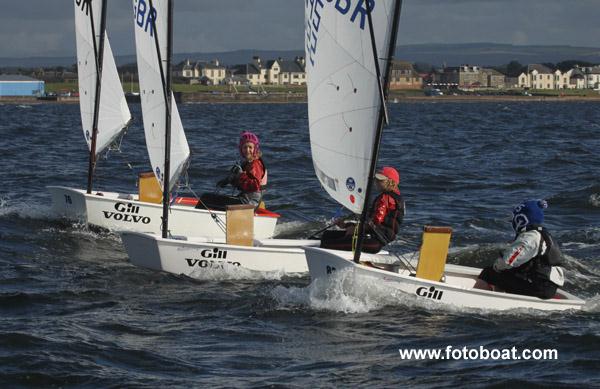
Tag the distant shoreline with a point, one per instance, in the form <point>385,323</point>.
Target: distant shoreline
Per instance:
<point>207,98</point>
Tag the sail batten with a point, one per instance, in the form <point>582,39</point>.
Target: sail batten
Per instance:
<point>151,30</point>
<point>113,114</point>
<point>343,92</point>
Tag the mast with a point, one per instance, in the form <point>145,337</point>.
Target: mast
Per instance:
<point>169,101</point>
<point>99,57</point>
<point>166,81</point>
<point>383,117</point>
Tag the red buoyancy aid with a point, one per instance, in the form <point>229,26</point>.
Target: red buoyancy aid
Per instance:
<point>252,177</point>
<point>388,214</point>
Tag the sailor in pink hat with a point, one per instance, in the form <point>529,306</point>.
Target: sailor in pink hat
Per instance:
<point>249,177</point>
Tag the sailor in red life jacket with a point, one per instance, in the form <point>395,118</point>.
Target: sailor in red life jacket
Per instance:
<point>530,266</point>
<point>250,178</point>
<point>385,216</point>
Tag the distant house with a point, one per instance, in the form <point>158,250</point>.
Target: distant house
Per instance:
<point>12,85</point>
<point>184,69</point>
<point>524,81</point>
<point>274,72</point>
<point>212,72</point>
<point>252,72</point>
<point>576,78</point>
<point>592,77</point>
<point>538,77</point>
<point>235,80</point>
<point>561,80</point>
<point>282,72</point>
<point>404,76</point>
<point>493,78</point>
<point>465,76</point>
<point>207,73</point>
<point>468,77</point>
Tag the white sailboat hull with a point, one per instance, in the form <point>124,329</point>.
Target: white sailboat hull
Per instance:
<point>199,256</point>
<point>122,211</point>
<point>457,288</point>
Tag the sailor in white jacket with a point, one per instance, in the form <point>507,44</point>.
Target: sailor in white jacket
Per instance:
<point>530,266</point>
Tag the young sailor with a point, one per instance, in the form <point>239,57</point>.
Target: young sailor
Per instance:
<point>385,216</point>
<point>530,266</point>
<point>249,177</point>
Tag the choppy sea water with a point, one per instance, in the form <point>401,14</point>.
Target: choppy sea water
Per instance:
<point>74,312</point>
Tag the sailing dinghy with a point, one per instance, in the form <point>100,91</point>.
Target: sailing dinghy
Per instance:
<point>348,68</point>
<point>195,252</point>
<point>104,117</point>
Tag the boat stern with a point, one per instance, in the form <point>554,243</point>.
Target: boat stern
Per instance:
<point>322,263</point>
<point>142,249</point>
<point>68,202</point>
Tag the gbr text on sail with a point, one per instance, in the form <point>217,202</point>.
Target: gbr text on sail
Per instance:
<point>354,10</point>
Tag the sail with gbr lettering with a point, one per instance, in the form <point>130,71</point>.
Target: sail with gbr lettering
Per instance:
<point>113,115</point>
<point>151,38</point>
<point>344,99</point>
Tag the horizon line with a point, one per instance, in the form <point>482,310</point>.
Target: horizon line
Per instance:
<point>301,49</point>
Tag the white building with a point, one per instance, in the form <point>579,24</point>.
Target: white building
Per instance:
<point>591,77</point>
<point>281,72</point>
<point>208,73</point>
<point>275,72</point>
<point>541,77</point>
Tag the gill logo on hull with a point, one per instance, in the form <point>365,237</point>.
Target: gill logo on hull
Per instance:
<point>214,253</point>
<point>430,293</point>
<point>126,212</point>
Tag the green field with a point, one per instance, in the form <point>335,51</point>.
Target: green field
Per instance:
<point>564,92</point>
<point>186,88</point>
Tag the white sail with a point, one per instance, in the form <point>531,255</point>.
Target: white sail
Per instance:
<point>113,113</point>
<point>343,94</point>
<point>152,90</point>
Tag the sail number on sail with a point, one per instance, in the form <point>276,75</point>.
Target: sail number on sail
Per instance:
<point>143,16</point>
<point>356,9</point>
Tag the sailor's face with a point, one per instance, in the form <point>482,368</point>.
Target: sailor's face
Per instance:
<point>248,151</point>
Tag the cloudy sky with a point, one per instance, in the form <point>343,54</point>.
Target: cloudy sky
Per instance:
<point>45,27</point>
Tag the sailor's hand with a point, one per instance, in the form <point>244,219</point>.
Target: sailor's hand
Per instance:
<point>236,169</point>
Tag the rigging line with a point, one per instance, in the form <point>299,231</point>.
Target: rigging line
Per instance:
<point>117,141</point>
<point>214,216</point>
<point>187,186</point>
<point>405,262</point>
<point>401,258</point>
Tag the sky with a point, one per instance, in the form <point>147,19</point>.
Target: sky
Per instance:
<point>44,28</point>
